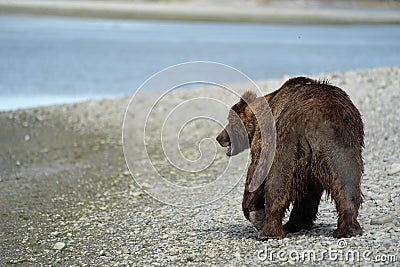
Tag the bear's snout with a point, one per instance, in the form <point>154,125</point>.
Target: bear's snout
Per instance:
<point>223,139</point>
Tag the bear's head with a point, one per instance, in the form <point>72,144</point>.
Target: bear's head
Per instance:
<point>251,124</point>
<point>238,134</point>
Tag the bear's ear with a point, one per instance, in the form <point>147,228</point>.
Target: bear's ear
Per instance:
<point>248,97</point>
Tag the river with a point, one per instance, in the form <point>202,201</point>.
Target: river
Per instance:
<point>50,60</point>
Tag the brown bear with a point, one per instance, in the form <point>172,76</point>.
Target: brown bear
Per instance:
<point>319,141</point>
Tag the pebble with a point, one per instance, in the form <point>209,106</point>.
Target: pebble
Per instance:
<point>300,241</point>
<point>382,219</point>
<point>394,169</point>
<point>59,246</point>
<point>136,194</point>
<point>54,233</point>
<point>174,258</point>
<point>145,185</point>
<point>173,251</point>
<point>125,250</point>
<point>387,243</point>
<point>104,253</point>
<point>165,236</point>
<point>44,150</point>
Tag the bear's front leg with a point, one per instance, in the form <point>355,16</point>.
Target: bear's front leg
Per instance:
<point>272,227</point>
<point>276,203</point>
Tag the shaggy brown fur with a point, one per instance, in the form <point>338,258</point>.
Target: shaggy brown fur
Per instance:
<point>319,140</point>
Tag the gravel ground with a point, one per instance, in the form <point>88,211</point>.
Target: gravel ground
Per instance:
<point>67,197</point>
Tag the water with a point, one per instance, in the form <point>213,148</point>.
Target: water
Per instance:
<point>49,60</point>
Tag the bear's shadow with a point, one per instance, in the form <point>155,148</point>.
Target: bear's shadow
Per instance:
<point>246,231</point>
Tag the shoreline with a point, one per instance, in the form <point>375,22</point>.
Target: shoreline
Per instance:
<point>54,101</point>
<point>67,197</point>
<point>197,12</point>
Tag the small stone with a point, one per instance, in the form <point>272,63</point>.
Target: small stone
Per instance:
<point>145,185</point>
<point>165,236</point>
<point>387,243</point>
<point>300,241</point>
<point>25,124</point>
<point>126,173</point>
<point>83,218</point>
<point>125,250</point>
<point>18,163</point>
<point>136,194</point>
<point>103,253</point>
<point>27,138</point>
<point>69,234</point>
<point>382,219</point>
<point>173,251</point>
<point>273,244</point>
<point>39,118</point>
<point>59,246</point>
<point>54,233</point>
<point>395,168</point>
<point>174,258</point>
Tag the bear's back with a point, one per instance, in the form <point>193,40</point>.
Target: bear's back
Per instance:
<point>303,102</point>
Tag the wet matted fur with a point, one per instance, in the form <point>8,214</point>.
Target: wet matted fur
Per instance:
<point>319,141</point>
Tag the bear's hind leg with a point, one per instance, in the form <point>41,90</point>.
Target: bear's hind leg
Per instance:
<point>305,209</point>
<point>346,193</point>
